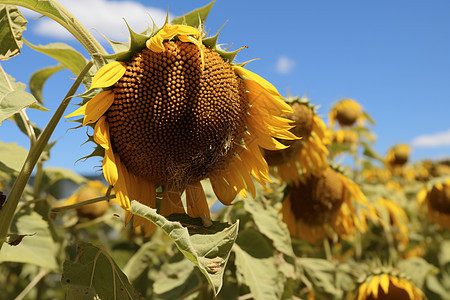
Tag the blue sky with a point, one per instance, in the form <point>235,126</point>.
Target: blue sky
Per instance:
<point>393,57</point>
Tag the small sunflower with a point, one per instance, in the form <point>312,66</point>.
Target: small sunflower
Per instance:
<point>395,217</point>
<point>397,157</point>
<point>386,286</point>
<point>177,111</point>
<point>322,206</point>
<point>345,136</point>
<point>437,201</point>
<point>305,156</point>
<point>92,189</point>
<point>348,112</point>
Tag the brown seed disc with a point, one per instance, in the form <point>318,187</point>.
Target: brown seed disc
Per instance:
<point>172,121</point>
<point>303,121</point>
<point>440,199</point>
<point>318,201</point>
<point>394,293</point>
<point>347,115</point>
<point>400,156</point>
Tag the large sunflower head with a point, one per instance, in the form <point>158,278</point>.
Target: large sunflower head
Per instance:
<point>176,111</point>
<point>389,285</point>
<point>306,155</point>
<point>324,206</point>
<point>436,198</point>
<point>347,112</point>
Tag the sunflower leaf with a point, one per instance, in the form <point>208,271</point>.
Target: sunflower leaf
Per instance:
<point>38,248</point>
<point>13,97</point>
<point>95,273</point>
<point>208,251</point>
<point>417,268</point>
<point>38,79</point>
<point>194,18</point>
<point>12,157</point>
<point>66,55</point>
<point>12,25</point>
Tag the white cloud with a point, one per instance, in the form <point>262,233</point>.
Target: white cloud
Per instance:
<point>285,65</point>
<point>438,139</point>
<point>104,16</point>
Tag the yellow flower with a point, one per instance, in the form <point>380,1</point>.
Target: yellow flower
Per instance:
<point>393,214</point>
<point>397,157</point>
<point>345,136</point>
<point>347,112</point>
<point>322,207</point>
<point>93,189</point>
<point>178,112</point>
<point>437,201</point>
<point>305,156</point>
<point>386,286</point>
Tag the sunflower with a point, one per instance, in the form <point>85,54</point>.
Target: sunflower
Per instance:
<point>397,157</point>
<point>394,217</point>
<point>348,112</point>
<point>385,286</point>
<point>92,189</point>
<point>177,112</point>
<point>307,155</point>
<point>322,207</point>
<point>437,201</point>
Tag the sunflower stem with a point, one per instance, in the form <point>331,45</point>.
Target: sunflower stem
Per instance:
<point>7,211</point>
<point>82,203</point>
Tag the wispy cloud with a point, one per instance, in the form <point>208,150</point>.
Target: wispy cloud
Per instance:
<point>285,65</point>
<point>438,139</point>
<point>104,16</point>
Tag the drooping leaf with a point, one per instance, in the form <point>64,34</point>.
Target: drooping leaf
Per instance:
<point>13,97</point>
<point>95,273</point>
<point>269,223</point>
<point>53,174</point>
<point>196,17</point>
<point>38,79</point>
<point>66,55</point>
<point>20,123</point>
<point>177,280</point>
<point>209,251</point>
<point>38,248</point>
<point>12,157</point>
<point>12,25</point>
<point>255,265</point>
<point>370,152</point>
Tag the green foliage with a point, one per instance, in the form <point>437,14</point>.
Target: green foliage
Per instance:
<point>209,251</point>
<point>12,157</point>
<point>38,80</point>
<point>95,273</point>
<point>38,248</point>
<point>12,25</point>
<point>13,97</point>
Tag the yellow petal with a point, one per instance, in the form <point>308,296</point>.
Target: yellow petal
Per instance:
<point>196,203</point>
<point>242,72</point>
<point>373,286</point>
<point>109,167</point>
<point>101,133</point>
<point>97,106</point>
<point>362,291</point>
<point>79,112</point>
<point>224,192</point>
<point>384,283</point>
<point>108,75</point>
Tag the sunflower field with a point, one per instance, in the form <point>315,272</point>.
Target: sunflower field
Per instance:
<point>213,185</point>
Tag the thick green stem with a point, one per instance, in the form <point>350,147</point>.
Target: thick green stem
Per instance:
<point>69,22</point>
<point>7,211</point>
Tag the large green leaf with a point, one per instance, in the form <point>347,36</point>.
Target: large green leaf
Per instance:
<point>12,25</point>
<point>95,273</point>
<point>45,7</point>
<point>255,265</point>
<point>12,157</point>
<point>208,250</point>
<point>38,79</point>
<point>54,174</point>
<point>66,55</point>
<point>417,268</point>
<point>321,274</point>
<point>38,248</point>
<point>196,17</point>
<point>13,97</point>
<point>269,223</point>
